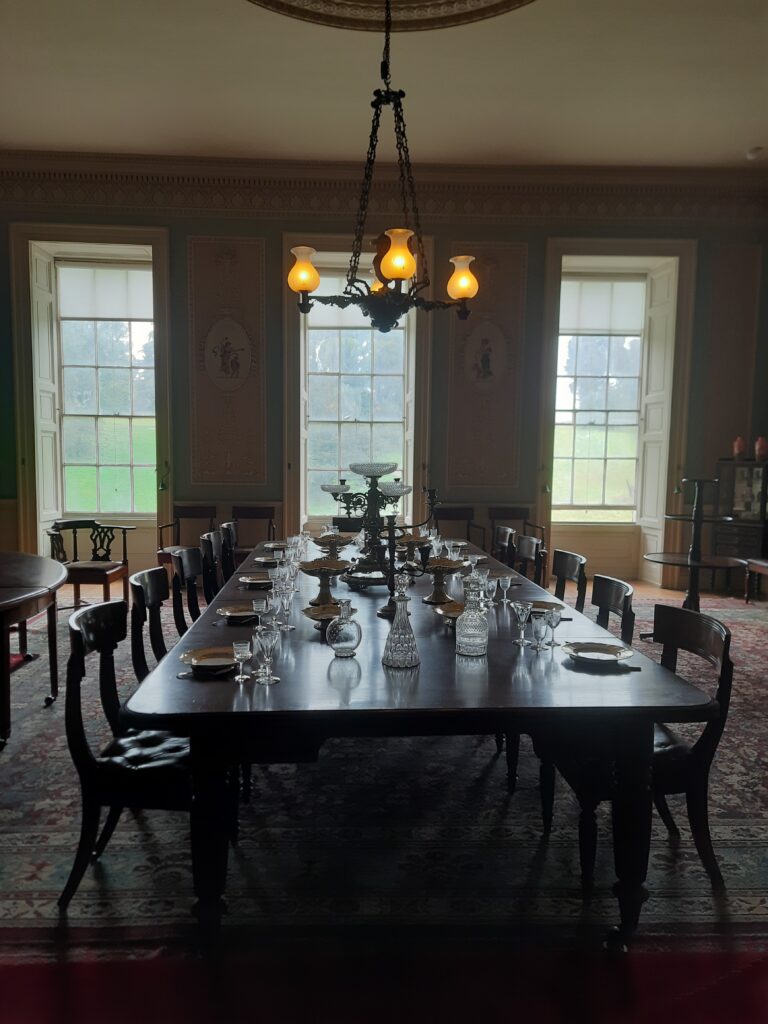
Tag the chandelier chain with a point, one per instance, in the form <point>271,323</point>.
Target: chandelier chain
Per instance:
<point>406,175</point>
<point>365,191</point>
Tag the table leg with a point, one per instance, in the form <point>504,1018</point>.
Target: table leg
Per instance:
<point>631,819</point>
<point>210,825</point>
<point>5,683</point>
<point>53,653</point>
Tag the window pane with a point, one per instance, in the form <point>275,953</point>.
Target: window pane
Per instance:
<point>323,351</point>
<point>620,482</point>
<point>322,446</point>
<point>588,482</point>
<point>80,488</point>
<point>627,305</point>
<point>563,417</point>
<point>561,481</point>
<point>115,392</point>
<point>622,442</point>
<point>355,398</point>
<point>593,357</point>
<point>114,489</point>
<point>625,357</point>
<point>590,442</point>
<point>387,443</point>
<point>355,443</point>
<point>622,393</point>
<point>355,351</point>
<point>318,502</point>
<point>590,393</point>
<point>564,395</point>
<point>590,417</point>
<point>114,443</point>
<point>113,343</point>
<point>144,490</point>
<point>566,355</point>
<point>143,342</point>
<point>144,442</point>
<point>79,390</point>
<point>389,352</point>
<point>622,418</point>
<point>144,392</point>
<point>78,439</point>
<point>78,341</point>
<point>563,441</point>
<point>388,398</point>
<point>323,398</point>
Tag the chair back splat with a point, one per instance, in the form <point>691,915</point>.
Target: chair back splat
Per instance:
<point>612,595</point>
<point>148,589</point>
<point>187,570</point>
<point>98,565</point>
<point>567,565</point>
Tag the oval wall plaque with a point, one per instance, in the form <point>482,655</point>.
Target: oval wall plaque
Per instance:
<point>407,16</point>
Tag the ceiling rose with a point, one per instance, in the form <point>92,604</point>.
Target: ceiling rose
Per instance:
<point>407,15</point>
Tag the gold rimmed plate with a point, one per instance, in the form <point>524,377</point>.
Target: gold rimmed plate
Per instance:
<point>259,582</point>
<point>324,612</point>
<point>266,560</point>
<point>212,661</point>
<point>234,613</point>
<point>276,545</point>
<point>597,653</point>
<point>451,610</point>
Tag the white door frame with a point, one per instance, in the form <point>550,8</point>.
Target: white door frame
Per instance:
<point>68,234</point>
<point>685,251</point>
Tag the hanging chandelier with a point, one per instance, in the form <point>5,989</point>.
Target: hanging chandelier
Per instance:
<point>399,266</point>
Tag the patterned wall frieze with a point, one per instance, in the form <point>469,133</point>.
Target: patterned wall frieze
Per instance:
<point>51,184</point>
<point>485,373</point>
<point>227,388</point>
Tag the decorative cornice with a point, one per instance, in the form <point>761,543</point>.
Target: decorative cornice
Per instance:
<point>53,184</point>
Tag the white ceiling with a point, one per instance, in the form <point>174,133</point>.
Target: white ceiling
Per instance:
<point>593,82</point>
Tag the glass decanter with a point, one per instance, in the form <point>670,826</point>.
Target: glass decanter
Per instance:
<point>472,624</point>
<point>344,633</point>
<point>400,649</point>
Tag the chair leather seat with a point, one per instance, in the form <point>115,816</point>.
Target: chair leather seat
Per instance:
<point>97,566</point>
<point>148,748</point>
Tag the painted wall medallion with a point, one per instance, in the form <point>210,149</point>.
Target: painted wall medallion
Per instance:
<point>227,354</point>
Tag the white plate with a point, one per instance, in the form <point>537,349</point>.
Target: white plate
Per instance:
<point>237,613</point>
<point>210,659</point>
<point>594,651</point>
<point>256,581</point>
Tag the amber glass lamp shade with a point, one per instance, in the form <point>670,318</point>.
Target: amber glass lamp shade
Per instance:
<point>398,263</point>
<point>462,283</point>
<point>303,275</point>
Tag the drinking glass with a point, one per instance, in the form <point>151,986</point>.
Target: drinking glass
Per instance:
<point>490,592</point>
<point>437,545</point>
<point>505,582</point>
<point>241,649</point>
<point>286,599</point>
<point>522,611</point>
<point>553,621</point>
<point>539,630</point>
<point>268,638</point>
<point>483,574</point>
<point>472,559</point>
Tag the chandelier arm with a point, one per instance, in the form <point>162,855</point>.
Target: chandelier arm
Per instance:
<point>404,160</point>
<point>365,191</point>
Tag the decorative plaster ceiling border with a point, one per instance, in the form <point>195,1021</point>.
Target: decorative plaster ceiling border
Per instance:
<point>272,190</point>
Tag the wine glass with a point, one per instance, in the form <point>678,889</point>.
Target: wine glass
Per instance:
<point>505,582</point>
<point>539,630</point>
<point>472,559</point>
<point>490,592</point>
<point>522,611</point>
<point>553,621</point>
<point>286,598</point>
<point>268,637</point>
<point>241,650</point>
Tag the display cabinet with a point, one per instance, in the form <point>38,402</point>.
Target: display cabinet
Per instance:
<point>742,495</point>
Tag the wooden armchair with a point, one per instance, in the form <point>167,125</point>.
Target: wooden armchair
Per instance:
<point>568,566</point>
<point>148,589</point>
<point>527,554</point>
<point>187,569</point>
<point>167,543</point>
<point>611,595</point>
<point>101,567</point>
<point>212,548</point>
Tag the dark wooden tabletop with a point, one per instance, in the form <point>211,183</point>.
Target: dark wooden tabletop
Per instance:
<point>445,693</point>
<point>703,562</point>
<point>30,573</point>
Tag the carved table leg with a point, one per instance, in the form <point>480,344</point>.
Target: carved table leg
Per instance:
<point>210,826</point>
<point>631,818</point>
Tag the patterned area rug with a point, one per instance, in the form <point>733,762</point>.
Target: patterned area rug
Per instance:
<point>391,840</point>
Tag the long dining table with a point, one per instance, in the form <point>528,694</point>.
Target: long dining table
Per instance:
<point>605,712</point>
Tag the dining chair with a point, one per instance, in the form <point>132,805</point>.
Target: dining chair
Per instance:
<point>231,555</point>
<point>148,591</point>
<point>610,595</point>
<point>137,769</point>
<point>502,536</point>
<point>255,513</point>
<point>458,514</point>
<point>568,566</point>
<point>187,566</point>
<point>527,554</point>
<point>184,528</point>
<point>101,567</point>
<point>678,766</point>
<point>211,550</point>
